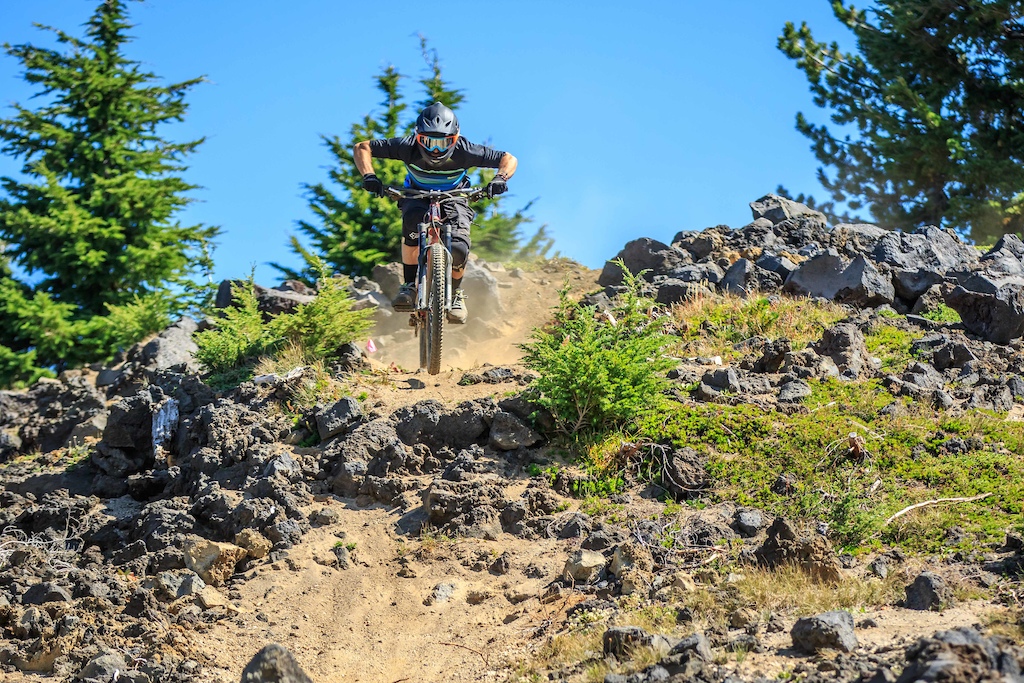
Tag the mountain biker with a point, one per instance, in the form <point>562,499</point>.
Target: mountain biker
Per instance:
<point>436,157</point>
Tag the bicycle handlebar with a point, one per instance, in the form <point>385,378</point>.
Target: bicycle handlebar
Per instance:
<point>471,193</point>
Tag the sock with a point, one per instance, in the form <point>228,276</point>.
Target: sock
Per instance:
<point>409,272</point>
<point>456,283</point>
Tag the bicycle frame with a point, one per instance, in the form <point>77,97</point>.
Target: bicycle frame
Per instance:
<point>432,231</point>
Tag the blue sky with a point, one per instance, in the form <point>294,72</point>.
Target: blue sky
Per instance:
<point>629,119</point>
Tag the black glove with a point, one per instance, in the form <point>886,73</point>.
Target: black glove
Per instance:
<point>372,183</point>
<point>498,185</point>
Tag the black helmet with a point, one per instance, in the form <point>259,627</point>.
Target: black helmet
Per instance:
<point>437,130</point>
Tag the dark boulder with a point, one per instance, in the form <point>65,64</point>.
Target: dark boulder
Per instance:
<point>928,592</point>
<point>174,347</point>
<point>128,438</point>
<point>745,277</point>
<point>858,238</point>
<point>274,664</point>
<point>1004,259</point>
<point>828,275</point>
<point>683,472</point>
<point>748,522</point>
<point>703,244</point>
<point>619,641</point>
<point>104,667</point>
<point>786,545</point>
<point>272,301</point>
<point>963,655</point>
<point>931,248</point>
<point>339,417</point>
<point>674,291</point>
<point>640,255</point>
<point>778,209</point>
<point>910,284</point>
<point>509,433</point>
<point>773,355</point>
<point>992,308</point>
<point>468,508</point>
<point>832,630</point>
<point>844,344</point>
<point>42,593</point>
<point>793,391</point>
<point>697,273</point>
<point>49,414</point>
<point>780,265</point>
<point>430,423</point>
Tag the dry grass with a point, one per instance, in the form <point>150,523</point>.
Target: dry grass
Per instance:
<point>317,384</point>
<point>712,326</point>
<point>791,589</point>
<point>583,647</point>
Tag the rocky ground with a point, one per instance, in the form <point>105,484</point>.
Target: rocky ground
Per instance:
<point>157,530</point>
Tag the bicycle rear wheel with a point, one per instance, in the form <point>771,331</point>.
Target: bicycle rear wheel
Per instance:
<point>435,307</point>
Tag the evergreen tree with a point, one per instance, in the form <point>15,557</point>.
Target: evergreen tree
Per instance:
<point>936,92</point>
<point>354,230</point>
<point>97,257</point>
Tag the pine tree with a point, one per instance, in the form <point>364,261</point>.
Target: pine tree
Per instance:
<point>97,257</point>
<point>936,92</point>
<point>354,231</point>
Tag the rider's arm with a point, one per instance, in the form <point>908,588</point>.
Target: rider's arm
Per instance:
<point>362,157</point>
<point>507,165</point>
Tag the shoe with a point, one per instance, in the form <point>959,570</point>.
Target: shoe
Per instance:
<point>405,302</point>
<point>457,316</point>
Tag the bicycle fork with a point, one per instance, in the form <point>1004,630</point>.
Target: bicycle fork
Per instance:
<point>425,240</point>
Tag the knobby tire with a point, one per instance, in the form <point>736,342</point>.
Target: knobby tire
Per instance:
<point>421,330</point>
<point>435,308</point>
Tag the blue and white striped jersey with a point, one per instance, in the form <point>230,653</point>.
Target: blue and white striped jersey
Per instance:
<point>424,173</point>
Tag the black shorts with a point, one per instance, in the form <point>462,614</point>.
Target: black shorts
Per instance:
<point>455,213</point>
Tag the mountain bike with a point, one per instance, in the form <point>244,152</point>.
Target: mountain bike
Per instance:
<point>434,270</point>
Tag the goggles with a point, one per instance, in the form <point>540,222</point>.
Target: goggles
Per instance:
<point>434,143</point>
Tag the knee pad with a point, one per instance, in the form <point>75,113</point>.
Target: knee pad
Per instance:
<point>411,227</point>
<point>460,253</point>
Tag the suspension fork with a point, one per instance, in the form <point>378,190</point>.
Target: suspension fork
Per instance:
<point>448,268</point>
<point>421,268</point>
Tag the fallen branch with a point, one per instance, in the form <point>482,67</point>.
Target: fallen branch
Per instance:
<point>933,502</point>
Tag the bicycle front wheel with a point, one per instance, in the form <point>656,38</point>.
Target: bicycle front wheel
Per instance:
<point>435,306</point>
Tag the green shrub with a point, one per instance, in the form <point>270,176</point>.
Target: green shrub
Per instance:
<point>131,322</point>
<point>239,336</point>
<point>323,325</point>
<point>314,332</point>
<point>599,372</point>
<point>942,314</point>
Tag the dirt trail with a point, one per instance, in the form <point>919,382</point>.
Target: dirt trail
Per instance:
<point>367,623</point>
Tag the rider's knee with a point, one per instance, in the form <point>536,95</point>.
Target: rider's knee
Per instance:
<point>460,253</point>
<point>411,240</point>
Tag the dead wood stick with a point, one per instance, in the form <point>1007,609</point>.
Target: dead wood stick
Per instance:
<point>933,502</point>
<point>464,647</point>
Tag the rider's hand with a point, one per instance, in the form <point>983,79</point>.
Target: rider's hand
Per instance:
<point>371,183</point>
<point>498,185</point>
